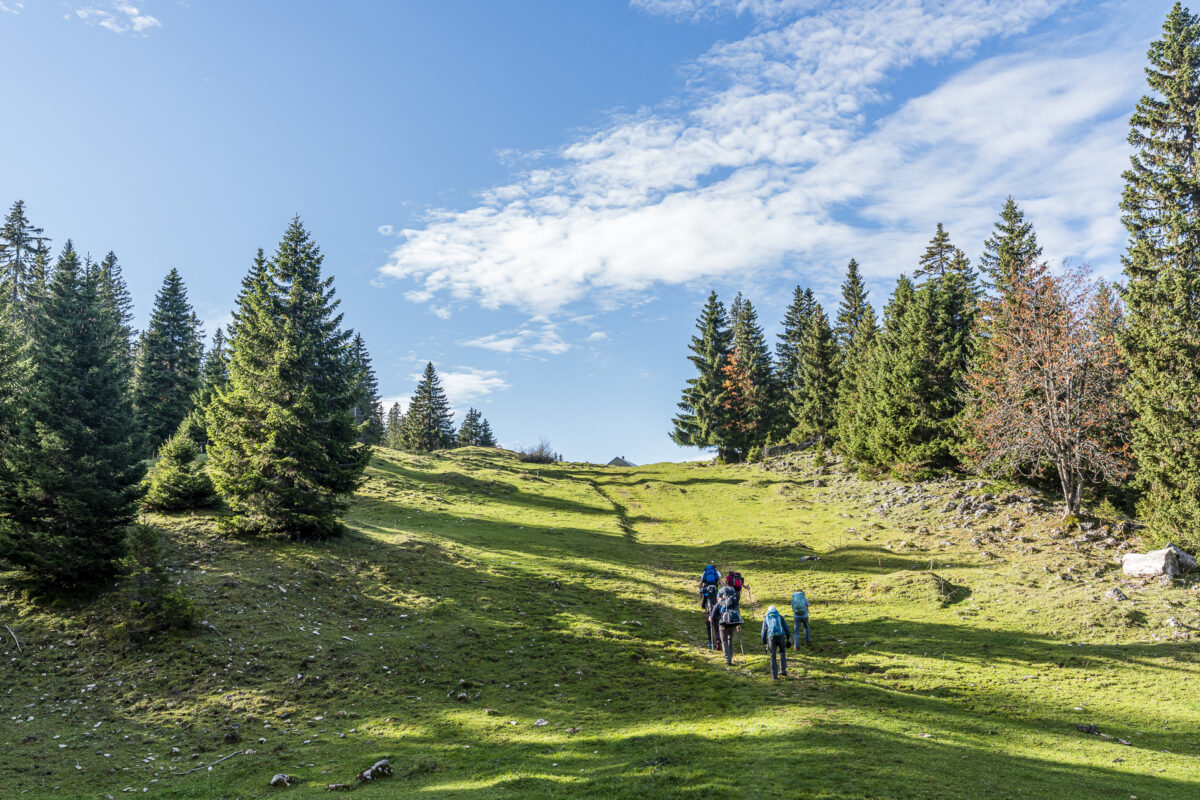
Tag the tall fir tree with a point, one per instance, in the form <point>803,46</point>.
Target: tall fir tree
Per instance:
<point>850,429</point>
<point>1161,342</point>
<point>22,248</point>
<point>393,431</point>
<point>701,408</point>
<point>812,403</point>
<point>14,428</point>
<point>167,372</point>
<point>766,412</point>
<point>795,322</point>
<point>940,257</point>
<point>78,479</point>
<point>1010,251</point>
<point>116,293</point>
<point>368,411</point>
<point>284,454</point>
<point>428,424</point>
<point>853,307</point>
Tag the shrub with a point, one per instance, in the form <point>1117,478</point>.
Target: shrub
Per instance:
<point>755,455</point>
<point>150,603</point>
<point>177,482</point>
<point>540,453</point>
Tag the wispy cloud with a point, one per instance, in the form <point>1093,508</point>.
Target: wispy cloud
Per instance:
<point>118,17</point>
<point>462,386</point>
<point>12,8</point>
<point>791,153</point>
<point>538,337</point>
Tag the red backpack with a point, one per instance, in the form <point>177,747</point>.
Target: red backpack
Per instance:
<point>734,579</point>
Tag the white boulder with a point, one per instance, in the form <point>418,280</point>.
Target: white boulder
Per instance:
<point>1169,561</point>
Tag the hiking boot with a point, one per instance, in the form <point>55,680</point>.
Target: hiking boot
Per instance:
<point>784,674</point>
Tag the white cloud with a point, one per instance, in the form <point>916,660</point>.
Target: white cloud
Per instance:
<point>775,163</point>
<point>537,337</point>
<point>597,336</point>
<point>402,399</point>
<point>12,8</point>
<point>118,17</point>
<point>385,230</point>
<point>467,383</point>
<point>441,312</point>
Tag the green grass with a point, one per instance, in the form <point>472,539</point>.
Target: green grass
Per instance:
<point>566,593</point>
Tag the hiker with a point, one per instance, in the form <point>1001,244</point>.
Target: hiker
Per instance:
<point>775,635</point>
<point>726,614</point>
<point>710,577</point>
<point>735,581</point>
<point>708,600</point>
<point>800,617</point>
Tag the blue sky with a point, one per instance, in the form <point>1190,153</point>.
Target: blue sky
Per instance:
<point>537,196</point>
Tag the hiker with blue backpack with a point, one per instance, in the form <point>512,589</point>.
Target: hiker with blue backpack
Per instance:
<point>775,636</point>
<point>800,616</point>
<point>709,582</point>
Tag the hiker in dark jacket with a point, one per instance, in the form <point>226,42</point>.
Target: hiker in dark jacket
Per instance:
<point>708,601</point>
<point>775,637</point>
<point>729,618</point>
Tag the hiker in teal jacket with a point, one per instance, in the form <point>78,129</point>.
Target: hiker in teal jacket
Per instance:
<point>800,616</point>
<point>775,636</point>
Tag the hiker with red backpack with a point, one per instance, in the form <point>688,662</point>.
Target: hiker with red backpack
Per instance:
<point>735,581</point>
<point>776,639</point>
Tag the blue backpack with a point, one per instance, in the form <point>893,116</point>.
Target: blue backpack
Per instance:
<point>800,604</point>
<point>774,625</point>
<point>710,575</point>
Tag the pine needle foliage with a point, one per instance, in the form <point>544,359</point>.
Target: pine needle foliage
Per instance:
<point>701,407</point>
<point>167,375</point>
<point>368,411</point>
<point>1161,343</point>
<point>177,481</point>
<point>429,424</point>
<point>284,454</point>
<point>78,478</point>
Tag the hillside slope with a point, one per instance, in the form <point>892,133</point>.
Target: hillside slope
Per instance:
<point>954,650</point>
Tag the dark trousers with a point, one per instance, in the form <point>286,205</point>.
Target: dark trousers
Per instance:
<point>778,646</point>
<point>727,632</point>
<point>797,622</point>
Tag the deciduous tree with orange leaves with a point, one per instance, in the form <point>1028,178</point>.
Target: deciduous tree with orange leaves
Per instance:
<point>1046,391</point>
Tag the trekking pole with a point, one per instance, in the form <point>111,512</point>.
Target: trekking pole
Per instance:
<point>741,644</point>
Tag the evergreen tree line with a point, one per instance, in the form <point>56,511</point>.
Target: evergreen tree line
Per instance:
<point>428,423</point>
<point>1010,367</point>
<point>275,419</point>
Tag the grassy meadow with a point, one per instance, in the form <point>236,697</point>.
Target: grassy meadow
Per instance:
<point>476,597</point>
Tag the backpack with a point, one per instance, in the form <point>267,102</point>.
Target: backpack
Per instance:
<point>774,625</point>
<point>800,604</point>
<point>728,597</point>
<point>708,595</point>
<point>734,579</point>
<point>710,575</point>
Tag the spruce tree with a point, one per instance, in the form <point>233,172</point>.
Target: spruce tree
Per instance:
<point>78,479</point>
<point>214,373</point>
<point>812,403</point>
<point>116,294</point>
<point>471,430</point>
<point>486,437</point>
<point>284,454</point>
<point>852,309</point>
<point>701,411</point>
<point>767,414</point>
<point>428,424</point>
<point>795,321</point>
<point>368,411</point>
<point>851,429</point>
<point>177,481</point>
<point>14,428</point>
<point>1010,250</point>
<point>940,257</point>
<point>1161,342</point>
<point>393,435</point>
<point>22,275</point>
<point>167,375</point>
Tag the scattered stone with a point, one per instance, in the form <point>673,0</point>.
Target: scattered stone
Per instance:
<point>1169,561</point>
<point>282,781</point>
<point>338,787</point>
<point>574,730</point>
<point>380,769</point>
<point>542,723</point>
<point>1115,594</point>
<point>491,712</point>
